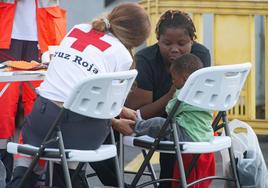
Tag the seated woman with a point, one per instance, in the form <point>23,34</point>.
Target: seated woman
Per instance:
<point>175,32</point>
<point>88,49</point>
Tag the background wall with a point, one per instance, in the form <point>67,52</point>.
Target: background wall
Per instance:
<point>79,11</point>
<point>232,33</point>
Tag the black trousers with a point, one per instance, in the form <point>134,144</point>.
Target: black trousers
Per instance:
<point>167,162</point>
<point>105,170</point>
<point>7,160</point>
<point>78,131</point>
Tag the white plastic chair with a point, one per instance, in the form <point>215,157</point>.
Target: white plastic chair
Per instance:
<point>214,88</point>
<point>101,96</point>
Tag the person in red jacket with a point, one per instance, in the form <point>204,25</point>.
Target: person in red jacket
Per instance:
<point>27,28</point>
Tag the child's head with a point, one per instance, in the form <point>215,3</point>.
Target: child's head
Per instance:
<point>182,67</point>
<point>129,22</point>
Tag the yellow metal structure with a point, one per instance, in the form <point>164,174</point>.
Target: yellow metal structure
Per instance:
<point>233,42</point>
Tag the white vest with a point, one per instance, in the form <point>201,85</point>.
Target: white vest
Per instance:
<point>77,59</point>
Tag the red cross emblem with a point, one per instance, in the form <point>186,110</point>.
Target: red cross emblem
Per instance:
<point>90,38</point>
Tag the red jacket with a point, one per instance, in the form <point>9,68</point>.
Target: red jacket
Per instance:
<point>51,22</point>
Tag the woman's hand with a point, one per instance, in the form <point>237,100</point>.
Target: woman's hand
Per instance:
<point>171,91</point>
<point>123,126</point>
<point>143,100</point>
<point>128,113</point>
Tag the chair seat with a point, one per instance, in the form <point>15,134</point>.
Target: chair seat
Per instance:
<point>102,153</point>
<point>217,143</point>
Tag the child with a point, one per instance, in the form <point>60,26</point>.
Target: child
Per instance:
<point>193,123</point>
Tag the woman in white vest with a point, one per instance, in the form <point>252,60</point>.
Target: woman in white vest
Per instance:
<point>88,49</point>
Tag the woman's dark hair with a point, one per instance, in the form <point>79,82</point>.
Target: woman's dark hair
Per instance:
<point>187,63</point>
<point>175,19</point>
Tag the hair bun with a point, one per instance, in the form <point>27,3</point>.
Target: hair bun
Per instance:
<point>107,23</point>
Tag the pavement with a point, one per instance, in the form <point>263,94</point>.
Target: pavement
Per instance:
<point>133,159</point>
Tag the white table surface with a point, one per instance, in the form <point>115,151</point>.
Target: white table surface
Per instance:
<point>20,76</point>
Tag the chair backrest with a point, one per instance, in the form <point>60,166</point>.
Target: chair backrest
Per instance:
<point>215,88</point>
<point>101,96</point>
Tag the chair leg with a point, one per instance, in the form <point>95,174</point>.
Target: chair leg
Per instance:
<point>231,151</point>
<point>79,175</point>
<point>121,157</point>
<point>50,173</point>
<point>77,170</point>
<point>43,146</point>
<point>233,166</point>
<point>64,161</point>
<point>150,169</point>
<point>143,166</point>
<point>17,176</point>
<point>121,161</point>
<point>116,160</point>
<point>179,157</point>
<point>119,179</point>
<point>30,169</point>
<point>33,164</point>
<point>192,165</point>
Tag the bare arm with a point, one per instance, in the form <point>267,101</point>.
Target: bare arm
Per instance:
<point>141,97</point>
<point>143,100</point>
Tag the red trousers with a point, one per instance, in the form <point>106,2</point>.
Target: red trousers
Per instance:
<point>9,103</point>
<point>205,166</point>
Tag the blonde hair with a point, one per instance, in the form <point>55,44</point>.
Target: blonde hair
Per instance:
<point>128,22</point>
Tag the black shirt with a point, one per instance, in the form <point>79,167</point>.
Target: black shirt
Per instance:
<point>152,74</point>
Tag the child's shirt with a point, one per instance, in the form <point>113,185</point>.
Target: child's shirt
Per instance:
<point>196,121</point>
